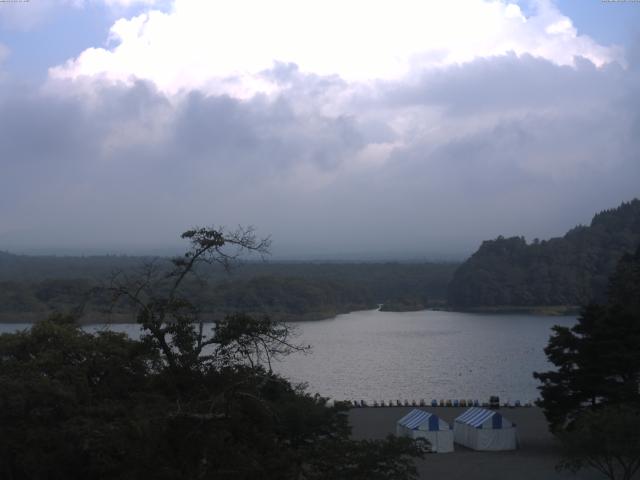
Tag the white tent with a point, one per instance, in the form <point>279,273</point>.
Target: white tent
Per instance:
<point>481,429</point>
<point>420,424</point>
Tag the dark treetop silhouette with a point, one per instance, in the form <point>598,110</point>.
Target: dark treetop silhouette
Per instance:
<point>180,403</point>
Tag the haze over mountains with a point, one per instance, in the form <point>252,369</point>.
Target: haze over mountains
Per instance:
<point>505,272</point>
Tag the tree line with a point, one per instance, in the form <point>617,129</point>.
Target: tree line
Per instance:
<point>592,398</point>
<point>185,401</point>
<point>569,270</point>
<point>287,291</point>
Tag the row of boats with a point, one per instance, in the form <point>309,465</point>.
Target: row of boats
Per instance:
<point>441,403</point>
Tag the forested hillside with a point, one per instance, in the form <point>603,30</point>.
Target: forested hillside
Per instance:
<point>36,268</point>
<point>32,287</point>
<point>570,270</point>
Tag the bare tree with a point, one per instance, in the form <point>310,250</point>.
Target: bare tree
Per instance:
<point>173,323</point>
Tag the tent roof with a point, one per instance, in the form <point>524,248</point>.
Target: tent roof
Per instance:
<point>477,416</point>
<point>417,418</point>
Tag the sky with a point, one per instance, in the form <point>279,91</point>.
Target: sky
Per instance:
<point>355,129</point>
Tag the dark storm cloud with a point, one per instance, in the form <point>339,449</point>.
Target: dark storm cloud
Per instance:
<point>262,135</point>
<point>127,163</point>
<point>435,164</point>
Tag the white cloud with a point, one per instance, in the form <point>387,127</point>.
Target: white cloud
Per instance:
<point>501,145</point>
<point>128,3</point>
<point>223,46</point>
<point>417,128</point>
<point>4,53</point>
<point>31,14</point>
<point>27,15</point>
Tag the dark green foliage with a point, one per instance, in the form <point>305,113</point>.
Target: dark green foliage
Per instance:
<point>624,288</point>
<point>18,297</point>
<point>33,269</point>
<point>287,291</point>
<point>606,440</point>
<point>363,460</point>
<point>290,297</point>
<point>181,403</point>
<point>597,360</point>
<point>572,270</point>
<point>69,401</point>
<point>76,406</point>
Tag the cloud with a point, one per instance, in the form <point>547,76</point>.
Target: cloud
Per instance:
<point>431,165</point>
<point>68,162</point>
<point>28,15</point>
<point>223,47</point>
<point>4,53</point>
<point>411,141</point>
<point>128,3</point>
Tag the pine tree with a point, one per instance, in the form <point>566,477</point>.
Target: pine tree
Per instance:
<point>597,360</point>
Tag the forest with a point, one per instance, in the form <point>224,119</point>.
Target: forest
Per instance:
<point>557,273</point>
<point>33,287</point>
<point>183,401</point>
<point>569,270</point>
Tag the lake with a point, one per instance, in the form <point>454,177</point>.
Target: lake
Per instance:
<point>375,355</point>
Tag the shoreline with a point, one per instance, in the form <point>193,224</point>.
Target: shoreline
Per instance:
<point>99,318</point>
<point>543,310</point>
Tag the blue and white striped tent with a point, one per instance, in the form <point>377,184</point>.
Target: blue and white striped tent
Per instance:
<point>482,429</point>
<point>421,424</point>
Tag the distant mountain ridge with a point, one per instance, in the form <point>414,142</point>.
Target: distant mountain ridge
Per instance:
<point>569,270</point>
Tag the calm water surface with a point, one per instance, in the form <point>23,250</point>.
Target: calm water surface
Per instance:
<point>374,355</point>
